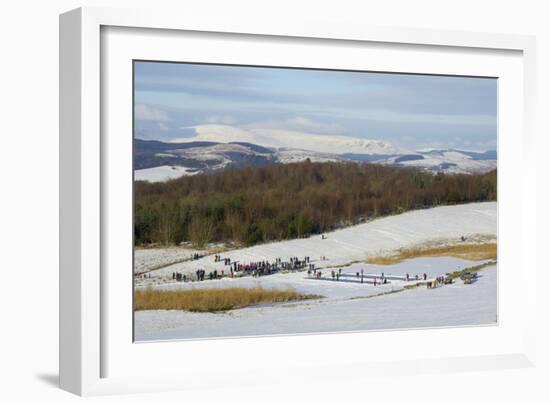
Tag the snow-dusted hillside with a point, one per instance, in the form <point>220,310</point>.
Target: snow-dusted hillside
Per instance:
<point>221,155</point>
<point>216,147</point>
<point>287,156</point>
<point>447,161</point>
<point>181,159</point>
<point>162,173</point>
<point>333,144</point>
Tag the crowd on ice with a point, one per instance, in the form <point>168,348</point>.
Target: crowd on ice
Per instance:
<point>232,269</point>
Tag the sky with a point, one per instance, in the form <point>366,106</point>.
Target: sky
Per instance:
<point>411,112</point>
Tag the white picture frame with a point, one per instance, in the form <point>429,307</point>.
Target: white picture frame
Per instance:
<point>86,310</point>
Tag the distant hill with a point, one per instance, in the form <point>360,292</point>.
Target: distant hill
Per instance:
<point>288,139</point>
<point>206,156</point>
<point>159,161</point>
<point>446,161</point>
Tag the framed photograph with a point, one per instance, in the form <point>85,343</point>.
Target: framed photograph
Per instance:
<point>252,198</point>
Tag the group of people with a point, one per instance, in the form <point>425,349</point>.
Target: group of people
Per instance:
<point>265,267</point>
<point>416,277</point>
<point>226,261</point>
<point>179,277</point>
<point>297,264</point>
<point>200,274</point>
<point>316,273</point>
<point>255,269</point>
<point>436,282</point>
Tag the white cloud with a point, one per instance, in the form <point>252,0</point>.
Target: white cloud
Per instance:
<point>222,119</point>
<point>307,123</point>
<point>162,126</point>
<point>299,123</point>
<point>145,112</point>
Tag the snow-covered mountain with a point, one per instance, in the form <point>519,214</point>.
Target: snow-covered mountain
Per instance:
<point>158,161</point>
<point>286,139</point>
<point>155,161</point>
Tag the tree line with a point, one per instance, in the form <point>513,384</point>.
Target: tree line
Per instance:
<point>284,201</point>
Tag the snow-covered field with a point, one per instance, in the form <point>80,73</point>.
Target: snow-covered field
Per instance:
<point>347,305</point>
<point>162,173</point>
<point>358,242</point>
<point>146,259</point>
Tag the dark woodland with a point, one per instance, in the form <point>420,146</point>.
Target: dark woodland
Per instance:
<point>284,201</point>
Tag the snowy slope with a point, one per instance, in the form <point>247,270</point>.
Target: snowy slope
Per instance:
<point>356,243</point>
<point>162,173</point>
<point>287,156</point>
<point>176,159</point>
<point>146,259</point>
<point>334,144</point>
<point>222,154</point>
<point>447,161</point>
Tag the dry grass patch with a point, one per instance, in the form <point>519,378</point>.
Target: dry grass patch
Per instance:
<point>473,269</point>
<point>473,252</point>
<point>213,299</point>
